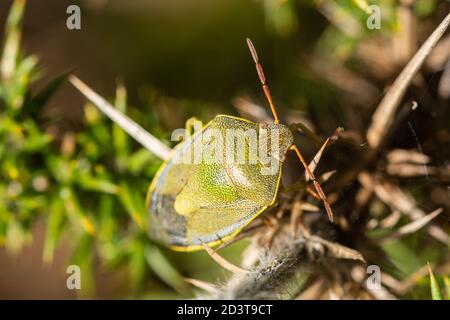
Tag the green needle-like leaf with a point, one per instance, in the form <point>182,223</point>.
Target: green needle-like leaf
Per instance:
<point>447,287</point>
<point>435,290</point>
<point>12,41</point>
<point>55,218</point>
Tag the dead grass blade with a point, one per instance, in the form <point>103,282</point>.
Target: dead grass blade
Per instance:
<point>247,108</point>
<point>393,196</point>
<point>391,220</point>
<point>339,251</point>
<point>384,114</point>
<point>411,227</point>
<point>147,140</point>
<point>312,292</point>
<point>410,170</point>
<point>444,82</point>
<point>407,156</point>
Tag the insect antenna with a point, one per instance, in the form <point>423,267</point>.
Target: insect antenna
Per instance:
<point>262,78</point>
<point>309,172</point>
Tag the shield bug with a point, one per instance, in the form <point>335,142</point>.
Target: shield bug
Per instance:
<point>211,187</point>
<point>207,202</point>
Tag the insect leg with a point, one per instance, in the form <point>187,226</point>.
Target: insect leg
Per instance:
<point>298,125</point>
<point>301,185</point>
<point>262,78</point>
<point>313,193</point>
<point>319,190</point>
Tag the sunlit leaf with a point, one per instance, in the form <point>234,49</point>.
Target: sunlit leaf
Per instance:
<point>435,290</point>
<point>120,137</point>
<point>133,204</point>
<point>12,42</point>
<point>83,257</point>
<point>447,287</point>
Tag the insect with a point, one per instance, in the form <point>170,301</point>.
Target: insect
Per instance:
<point>207,203</point>
<point>191,204</point>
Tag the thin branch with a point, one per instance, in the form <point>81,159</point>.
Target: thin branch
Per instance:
<point>147,140</point>
<point>384,114</point>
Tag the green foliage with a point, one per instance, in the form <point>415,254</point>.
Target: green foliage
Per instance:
<point>21,189</point>
<point>84,185</point>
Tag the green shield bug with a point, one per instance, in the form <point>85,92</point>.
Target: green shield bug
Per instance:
<point>218,179</point>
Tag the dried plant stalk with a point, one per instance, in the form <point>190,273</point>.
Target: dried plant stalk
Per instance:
<point>138,133</point>
<point>384,115</point>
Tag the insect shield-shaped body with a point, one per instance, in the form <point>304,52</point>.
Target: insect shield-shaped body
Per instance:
<point>217,181</point>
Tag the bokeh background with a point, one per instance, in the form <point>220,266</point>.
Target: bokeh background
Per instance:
<point>79,195</point>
